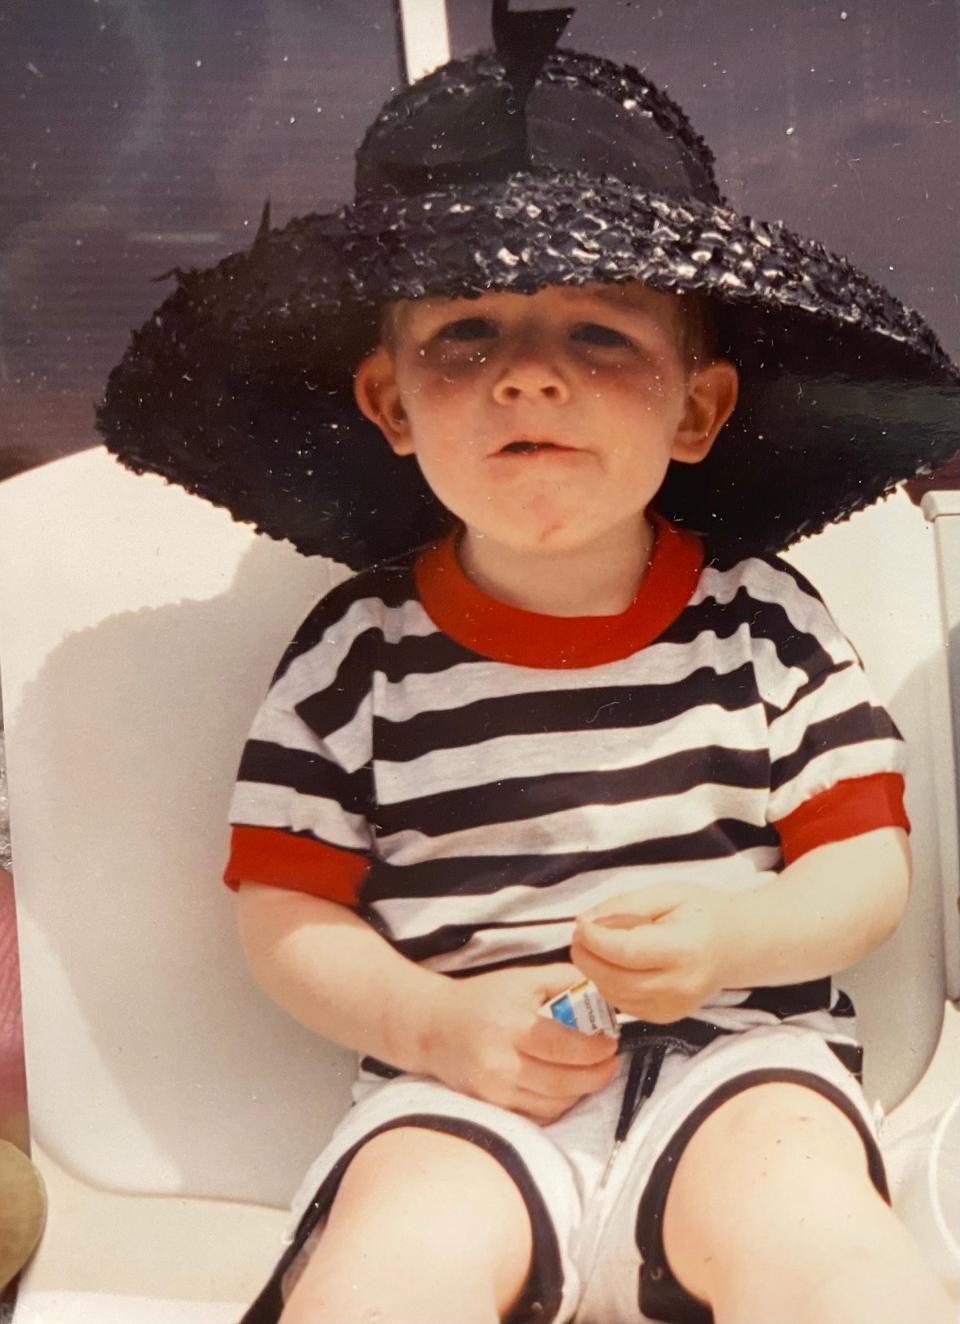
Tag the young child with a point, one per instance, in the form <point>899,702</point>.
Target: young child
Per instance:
<point>578,719</point>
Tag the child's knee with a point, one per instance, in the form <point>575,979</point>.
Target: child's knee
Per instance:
<point>777,1175</point>
<point>773,1132</point>
<point>418,1172</point>
<point>424,1205</point>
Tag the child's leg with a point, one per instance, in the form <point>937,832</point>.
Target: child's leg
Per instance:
<point>425,1227</point>
<point>772,1216</point>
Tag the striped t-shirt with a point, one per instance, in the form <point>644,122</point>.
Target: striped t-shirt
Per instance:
<point>471,776</point>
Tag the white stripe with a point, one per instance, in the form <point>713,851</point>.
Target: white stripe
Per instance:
<point>583,828</point>
<point>351,745</point>
<point>747,1018</point>
<point>542,753</point>
<point>836,694</point>
<point>765,583</point>
<point>348,747</point>
<point>503,945</point>
<point>256,804</point>
<point>411,917</point>
<point>313,671</point>
<point>836,765</point>
<point>280,726</point>
<point>776,682</point>
<point>658,664</point>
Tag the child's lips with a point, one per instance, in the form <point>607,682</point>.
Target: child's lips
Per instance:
<point>528,447</point>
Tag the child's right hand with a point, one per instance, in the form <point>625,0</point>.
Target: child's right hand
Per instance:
<point>487,1039</point>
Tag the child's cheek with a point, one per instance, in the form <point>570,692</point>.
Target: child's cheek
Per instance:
<point>446,360</point>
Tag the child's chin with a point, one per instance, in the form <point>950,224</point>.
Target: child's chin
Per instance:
<point>555,526</point>
<point>557,535</point>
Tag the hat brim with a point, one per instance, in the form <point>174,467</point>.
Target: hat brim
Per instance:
<point>240,387</point>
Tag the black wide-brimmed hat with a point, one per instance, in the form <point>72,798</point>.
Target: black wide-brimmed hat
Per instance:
<point>519,168</point>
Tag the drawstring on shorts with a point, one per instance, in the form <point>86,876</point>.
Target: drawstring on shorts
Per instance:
<point>648,1045</point>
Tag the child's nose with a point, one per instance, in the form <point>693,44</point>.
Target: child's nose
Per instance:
<point>531,375</point>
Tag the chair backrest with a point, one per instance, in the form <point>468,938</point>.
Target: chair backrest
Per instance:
<point>879,575</point>
<point>138,630</point>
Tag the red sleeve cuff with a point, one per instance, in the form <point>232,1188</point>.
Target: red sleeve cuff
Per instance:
<point>277,859</point>
<point>848,809</point>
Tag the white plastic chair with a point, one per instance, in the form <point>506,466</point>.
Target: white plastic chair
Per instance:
<point>173,1108</point>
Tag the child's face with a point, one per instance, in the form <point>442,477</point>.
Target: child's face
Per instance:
<point>545,421</point>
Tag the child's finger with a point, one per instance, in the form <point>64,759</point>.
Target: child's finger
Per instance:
<point>556,1080</point>
<point>638,948</point>
<point>550,1041</point>
<point>644,906</point>
<point>541,1108</point>
<point>620,986</point>
<point>608,976</point>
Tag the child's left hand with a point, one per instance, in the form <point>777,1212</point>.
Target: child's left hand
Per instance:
<point>659,953</point>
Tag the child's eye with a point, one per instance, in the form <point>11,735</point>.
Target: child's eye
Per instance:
<point>467,329</point>
<point>595,334</point>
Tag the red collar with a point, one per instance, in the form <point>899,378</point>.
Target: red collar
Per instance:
<point>529,639</point>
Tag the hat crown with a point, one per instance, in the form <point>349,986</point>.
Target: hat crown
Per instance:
<point>465,124</point>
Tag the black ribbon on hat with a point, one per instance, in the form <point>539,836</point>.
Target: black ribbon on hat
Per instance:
<point>523,41</point>
<point>447,143</point>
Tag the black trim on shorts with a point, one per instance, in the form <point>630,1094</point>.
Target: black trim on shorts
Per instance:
<point>659,1294</point>
<point>542,1295</point>
<point>850,1056</point>
<point>377,1068</point>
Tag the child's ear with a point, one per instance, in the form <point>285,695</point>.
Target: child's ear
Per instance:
<point>711,397</point>
<point>377,395</point>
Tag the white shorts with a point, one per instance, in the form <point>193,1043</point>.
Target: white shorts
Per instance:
<point>598,1251</point>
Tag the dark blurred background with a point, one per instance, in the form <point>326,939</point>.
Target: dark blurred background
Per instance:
<point>139,135</point>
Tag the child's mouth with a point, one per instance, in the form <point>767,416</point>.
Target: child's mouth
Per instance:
<point>530,447</point>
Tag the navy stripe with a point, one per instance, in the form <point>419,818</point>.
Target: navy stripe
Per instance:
<point>392,585</point>
<point>607,708</point>
<point>790,999</point>
<point>423,655</point>
<point>329,709</point>
<point>451,937</point>
<point>814,684</point>
<point>370,652</point>
<point>766,620</point>
<point>856,726</point>
<point>778,565</point>
<point>308,773</point>
<point>799,578</point>
<point>519,799</point>
<point>475,875</point>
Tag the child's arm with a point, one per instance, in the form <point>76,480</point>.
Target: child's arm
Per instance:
<point>483,1035</point>
<point>661,952</point>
